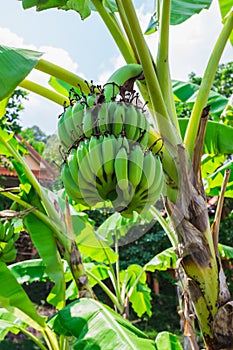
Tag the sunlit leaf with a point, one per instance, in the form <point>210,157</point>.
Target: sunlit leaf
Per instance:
<point>15,65</point>
<point>225,8</point>
<point>43,238</point>
<point>141,296</point>
<point>162,261</point>
<point>152,26</point>
<point>9,323</point>
<point>181,10</point>
<point>98,327</point>
<point>12,295</point>
<point>218,137</point>
<point>29,271</point>
<point>167,341</point>
<point>187,92</point>
<point>225,251</point>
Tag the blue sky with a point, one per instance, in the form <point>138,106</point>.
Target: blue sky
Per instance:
<point>86,48</point>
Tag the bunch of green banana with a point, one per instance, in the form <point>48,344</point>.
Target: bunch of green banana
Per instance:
<point>108,168</point>
<point>116,118</point>
<point>7,242</point>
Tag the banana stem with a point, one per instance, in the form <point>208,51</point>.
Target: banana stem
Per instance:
<point>50,338</point>
<point>64,75</point>
<point>116,32</point>
<point>117,261</point>
<point>127,28</point>
<point>108,292</point>
<point>33,338</point>
<point>205,87</point>
<point>44,218</point>
<point>44,92</point>
<point>163,71</point>
<point>167,228</point>
<point>112,276</point>
<point>158,105</point>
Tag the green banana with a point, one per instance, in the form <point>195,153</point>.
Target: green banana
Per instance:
<point>108,154</point>
<point>131,123</point>
<point>9,230</point>
<point>103,118</point>
<point>95,154</point>
<point>112,106</point>
<point>9,256</point>
<point>9,246</point>
<point>153,192</point>
<point>62,133</point>
<point>84,161</point>
<point>119,77</point>
<point>2,231</point>
<point>148,173</point>
<point>88,122</point>
<point>69,125</point>
<point>118,119</point>
<point>78,111</point>
<point>71,187</point>
<point>73,164</point>
<point>121,169</point>
<point>135,165</point>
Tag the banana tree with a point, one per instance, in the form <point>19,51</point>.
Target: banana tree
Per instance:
<point>184,195</point>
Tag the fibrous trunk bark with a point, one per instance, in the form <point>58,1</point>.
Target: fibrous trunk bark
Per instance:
<point>197,256</point>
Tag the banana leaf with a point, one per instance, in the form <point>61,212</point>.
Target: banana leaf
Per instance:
<point>180,11</point>
<point>218,137</point>
<point>187,92</point>
<point>15,300</point>
<point>43,239</point>
<point>9,323</point>
<point>165,260</point>
<point>168,341</point>
<point>15,65</point>
<point>225,7</point>
<point>141,295</point>
<point>96,326</point>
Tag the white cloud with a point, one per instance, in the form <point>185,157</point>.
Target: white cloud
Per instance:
<point>38,110</point>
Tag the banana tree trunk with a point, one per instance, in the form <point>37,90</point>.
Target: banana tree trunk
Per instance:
<point>197,256</point>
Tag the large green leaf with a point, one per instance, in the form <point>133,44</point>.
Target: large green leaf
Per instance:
<point>218,137</point>
<point>141,296</point>
<point>13,298</point>
<point>44,240</point>
<point>82,6</point>
<point>225,251</point>
<point>29,271</point>
<point>215,180</point>
<point>167,341</point>
<point>15,65</point>
<point>89,242</point>
<point>181,10</point>
<point>9,323</point>
<point>225,8</point>
<point>98,327</point>
<point>162,261</point>
<point>116,224</point>
<point>187,92</point>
